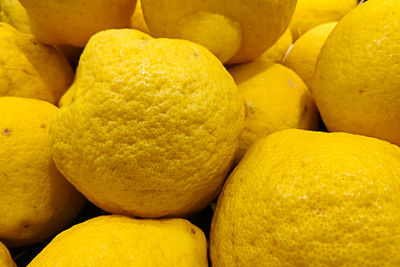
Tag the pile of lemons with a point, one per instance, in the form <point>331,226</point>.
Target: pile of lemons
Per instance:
<point>286,112</point>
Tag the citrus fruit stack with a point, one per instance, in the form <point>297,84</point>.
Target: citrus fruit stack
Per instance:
<point>168,106</point>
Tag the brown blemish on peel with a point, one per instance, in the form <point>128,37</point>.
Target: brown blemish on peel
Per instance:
<point>7,131</point>
<point>193,230</point>
<point>27,72</point>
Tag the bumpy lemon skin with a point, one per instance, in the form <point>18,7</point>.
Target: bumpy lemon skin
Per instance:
<point>153,127</point>
<point>302,198</point>
<point>356,85</point>
<point>122,241</point>
<point>35,199</point>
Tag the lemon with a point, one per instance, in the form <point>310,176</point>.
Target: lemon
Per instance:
<point>5,257</point>
<point>35,199</point>
<point>13,13</point>
<point>235,32</point>
<point>115,240</point>
<point>275,98</point>
<point>73,22</point>
<point>279,49</point>
<point>356,85</point>
<point>311,13</point>
<point>302,198</point>
<point>137,21</point>
<point>304,53</point>
<point>153,127</point>
<point>30,69</point>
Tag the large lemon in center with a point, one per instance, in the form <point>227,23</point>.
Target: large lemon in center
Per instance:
<point>154,126</point>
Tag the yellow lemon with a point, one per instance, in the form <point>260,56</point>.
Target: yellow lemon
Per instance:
<point>304,53</point>
<point>311,13</point>
<point>302,198</point>
<point>279,49</point>
<point>13,13</point>
<point>73,22</point>
<point>356,85</point>
<point>30,69</point>
<point>122,241</point>
<point>137,21</point>
<point>235,32</point>
<point>35,199</point>
<point>154,126</point>
<point>5,257</point>
<point>275,98</point>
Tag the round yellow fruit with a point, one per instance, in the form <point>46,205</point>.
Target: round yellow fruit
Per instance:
<point>137,21</point>
<point>35,199</point>
<point>73,22</point>
<point>30,69</point>
<point>356,86</point>
<point>122,241</point>
<point>304,53</point>
<point>275,98</point>
<point>277,52</point>
<point>153,127</point>
<point>5,257</point>
<point>302,198</point>
<point>235,32</point>
<point>311,13</point>
<point>13,13</point>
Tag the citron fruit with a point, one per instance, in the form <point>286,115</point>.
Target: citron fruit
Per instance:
<point>5,257</point>
<point>304,53</point>
<point>35,199</point>
<point>356,86</point>
<point>13,13</point>
<point>275,98</point>
<point>73,22</point>
<point>137,21</point>
<point>235,32</point>
<point>311,13</point>
<point>153,126</point>
<point>30,69</point>
<point>277,52</point>
<point>115,240</point>
<point>302,198</point>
